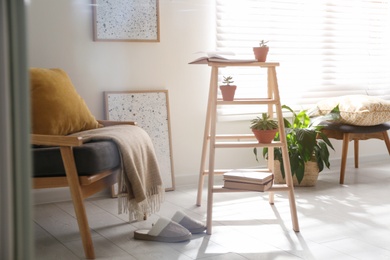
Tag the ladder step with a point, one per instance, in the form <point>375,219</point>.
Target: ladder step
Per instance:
<point>255,101</point>
<point>242,144</point>
<point>275,187</point>
<point>222,171</point>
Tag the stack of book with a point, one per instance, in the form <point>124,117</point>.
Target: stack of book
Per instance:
<point>248,180</point>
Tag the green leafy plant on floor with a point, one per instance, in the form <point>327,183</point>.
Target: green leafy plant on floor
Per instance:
<point>305,141</point>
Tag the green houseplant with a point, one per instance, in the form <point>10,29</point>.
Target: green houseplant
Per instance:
<point>261,52</point>
<point>305,142</point>
<point>227,89</point>
<point>264,128</point>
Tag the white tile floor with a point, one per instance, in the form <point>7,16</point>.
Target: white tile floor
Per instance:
<point>350,221</point>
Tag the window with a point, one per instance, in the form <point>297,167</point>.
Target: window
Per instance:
<point>325,48</point>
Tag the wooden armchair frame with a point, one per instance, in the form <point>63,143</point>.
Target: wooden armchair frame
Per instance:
<point>81,187</point>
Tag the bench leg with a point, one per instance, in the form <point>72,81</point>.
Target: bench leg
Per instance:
<point>344,157</point>
<point>387,140</point>
<point>356,152</point>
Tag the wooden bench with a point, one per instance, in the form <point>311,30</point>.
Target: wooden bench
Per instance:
<point>354,133</point>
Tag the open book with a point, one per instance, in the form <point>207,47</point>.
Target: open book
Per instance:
<point>218,57</point>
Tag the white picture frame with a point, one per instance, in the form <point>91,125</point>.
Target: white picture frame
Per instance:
<point>150,109</point>
<point>126,20</point>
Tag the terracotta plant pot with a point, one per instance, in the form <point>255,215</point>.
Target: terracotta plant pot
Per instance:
<point>265,136</point>
<point>261,53</point>
<point>228,92</point>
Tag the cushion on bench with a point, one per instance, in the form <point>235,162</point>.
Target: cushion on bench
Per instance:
<point>357,129</point>
<point>91,158</point>
<point>359,110</point>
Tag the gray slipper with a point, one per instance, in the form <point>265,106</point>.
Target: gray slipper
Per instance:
<point>165,230</point>
<point>193,225</point>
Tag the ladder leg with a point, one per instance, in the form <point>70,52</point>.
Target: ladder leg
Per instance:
<point>271,197</point>
<point>286,161</point>
<point>270,165</point>
<point>213,115</point>
<point>206,136</point>
<point>209,220</point>
<point>293,210</point>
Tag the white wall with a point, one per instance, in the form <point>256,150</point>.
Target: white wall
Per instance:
<point>60,35</point>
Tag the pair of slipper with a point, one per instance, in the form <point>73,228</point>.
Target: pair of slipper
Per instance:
<point>177,229</point>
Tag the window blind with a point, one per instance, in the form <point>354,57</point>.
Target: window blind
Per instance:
<point>325,48</point>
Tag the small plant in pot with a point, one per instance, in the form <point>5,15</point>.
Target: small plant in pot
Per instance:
<point>261,52</point>
<point>227,89</point>
<point>264,128</point>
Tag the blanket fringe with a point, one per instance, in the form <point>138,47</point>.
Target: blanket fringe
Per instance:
<point>138,210</point>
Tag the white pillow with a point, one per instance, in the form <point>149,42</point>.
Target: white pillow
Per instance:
<point>361,110</point>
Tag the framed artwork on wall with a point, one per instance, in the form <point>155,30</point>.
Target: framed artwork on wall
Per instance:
<point>150,109</point>
<point>126,20</point>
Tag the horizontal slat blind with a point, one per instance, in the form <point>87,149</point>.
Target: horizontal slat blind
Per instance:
<point>325,48</point>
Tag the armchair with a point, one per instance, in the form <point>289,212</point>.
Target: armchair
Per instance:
<point>72,149</point>
<point>85,167</point>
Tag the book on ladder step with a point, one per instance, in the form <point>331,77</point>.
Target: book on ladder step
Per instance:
<point>248,180</point>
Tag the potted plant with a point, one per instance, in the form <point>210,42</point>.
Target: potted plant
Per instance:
<point>308,147</point>
<point>228,90</point>
<point>261,52</point>
<point>264,128</point>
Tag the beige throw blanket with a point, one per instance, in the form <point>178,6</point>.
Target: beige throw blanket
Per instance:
<point>140,188</point>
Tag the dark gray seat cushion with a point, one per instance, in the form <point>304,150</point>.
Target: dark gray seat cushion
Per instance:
<point>91,158</point>
<point>357,129</point>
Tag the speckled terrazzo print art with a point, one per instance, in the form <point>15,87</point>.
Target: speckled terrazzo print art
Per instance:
<point>151,112</point>
<point>126,19</point>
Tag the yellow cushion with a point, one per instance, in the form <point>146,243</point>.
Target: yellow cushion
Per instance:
<point>57,108</point>
<point>360,110</point>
